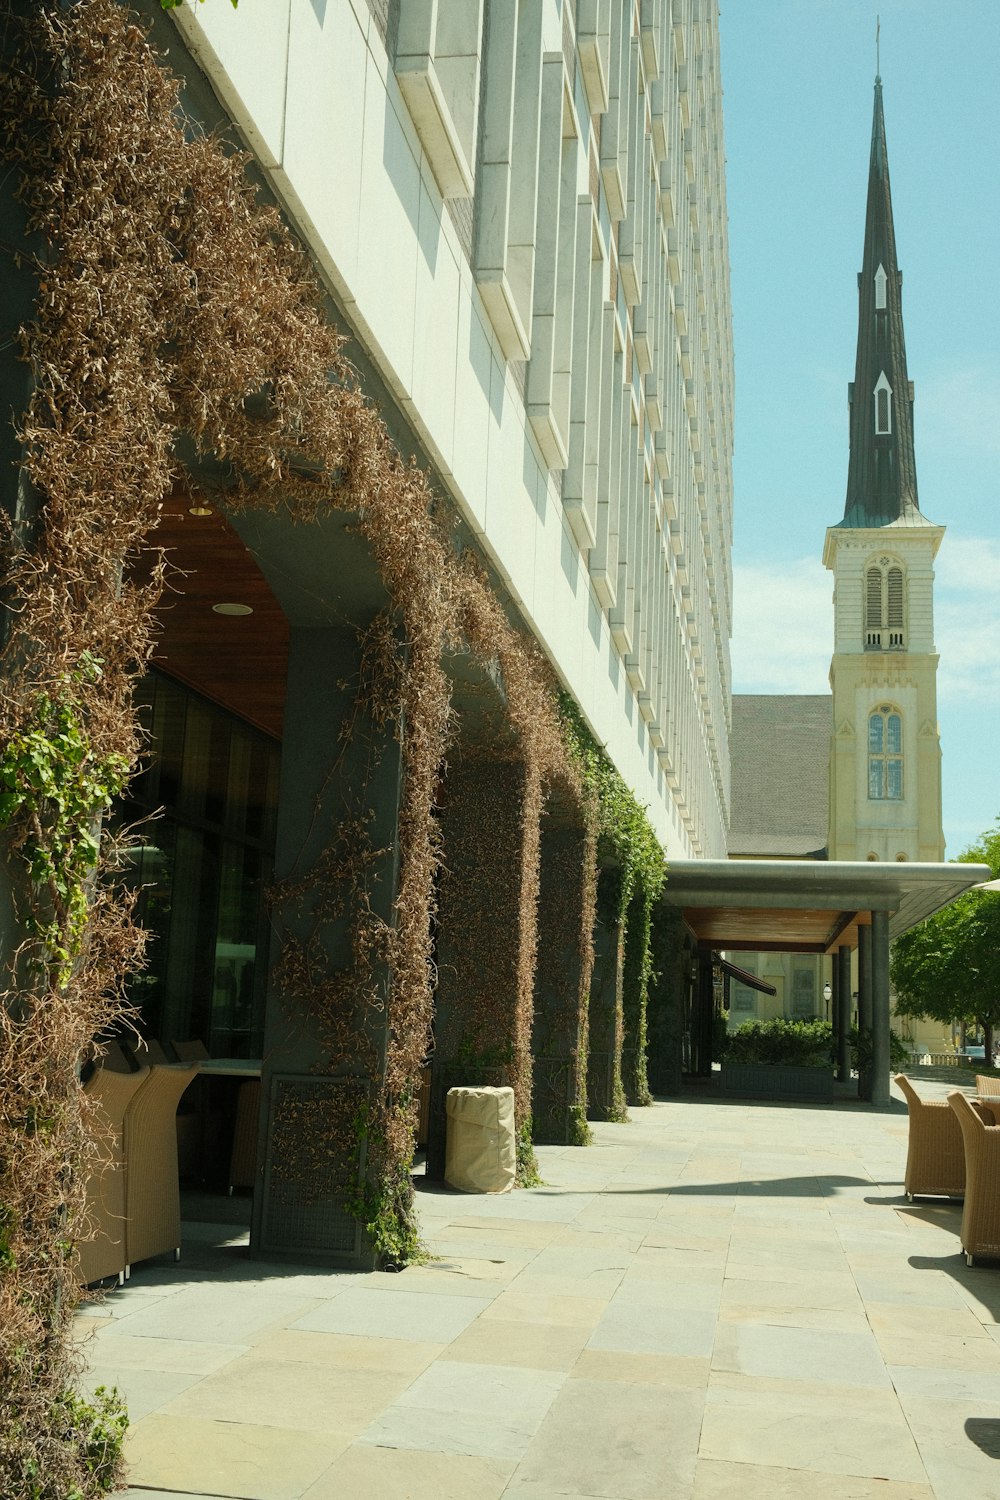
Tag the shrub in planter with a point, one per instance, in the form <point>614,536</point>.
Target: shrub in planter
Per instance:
<point>861,1051</point>
<point>802,1044</point>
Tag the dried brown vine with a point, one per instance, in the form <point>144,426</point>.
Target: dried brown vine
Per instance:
<point>168,297</point>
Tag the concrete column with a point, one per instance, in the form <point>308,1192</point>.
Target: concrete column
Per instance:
<point>704,1017</point>
<point>487,914</point>
<point>844,1035</point>
<point>324,1036</point>
<point>635,1079</point>
<point>562,986</point>
<point>865,1010</point>
<point>665,1007</point>
<point>880,1008</point>
<point>605,1095</point>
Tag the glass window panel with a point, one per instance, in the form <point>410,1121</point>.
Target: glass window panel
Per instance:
<point>895,778</point>
<point>875,734</point>
<point>236,1014</point>
<point>202,896</point>
<point>875,769</point>
<point>894,734</point>
<point>169,719</point>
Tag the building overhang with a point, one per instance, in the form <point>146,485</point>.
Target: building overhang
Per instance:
<point>807,906</point>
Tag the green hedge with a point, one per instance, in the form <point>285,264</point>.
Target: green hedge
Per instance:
<point>806,1044</point>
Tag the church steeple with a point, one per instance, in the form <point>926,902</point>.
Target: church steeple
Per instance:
<point>882,473</point>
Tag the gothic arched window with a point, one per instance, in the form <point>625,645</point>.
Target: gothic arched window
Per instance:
<point>883,406</point>
<point>885,606</point>
<point>885,754</point>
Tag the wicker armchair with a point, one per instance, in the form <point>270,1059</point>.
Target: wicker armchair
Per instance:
<point>988,1085</point>
<point>102,1253</point>
<point>152,1192</point>
<point>935,1157</point>
<point>981,1213</point>
<point>191,1051</point>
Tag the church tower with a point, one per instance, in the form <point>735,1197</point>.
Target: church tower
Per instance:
<point>885,759</point>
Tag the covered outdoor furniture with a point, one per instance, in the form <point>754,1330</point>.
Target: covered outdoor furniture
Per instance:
<point>981,1213</point>
<point>480,1154</point>
<point>152,1192</point>
<point>935,1157</point>
<point>103,1253</point>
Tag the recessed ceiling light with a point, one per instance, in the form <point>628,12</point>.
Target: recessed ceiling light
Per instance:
<point>232,609</point>
<point>200,510</point>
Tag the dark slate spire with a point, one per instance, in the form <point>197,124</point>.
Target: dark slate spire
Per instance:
<point>882,474</point>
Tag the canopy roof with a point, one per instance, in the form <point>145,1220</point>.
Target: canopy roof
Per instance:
<point>805,905</point>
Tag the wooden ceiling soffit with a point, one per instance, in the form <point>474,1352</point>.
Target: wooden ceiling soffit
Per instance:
<point>761,929</point>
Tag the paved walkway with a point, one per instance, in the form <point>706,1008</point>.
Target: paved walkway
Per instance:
<point>716,1300</point>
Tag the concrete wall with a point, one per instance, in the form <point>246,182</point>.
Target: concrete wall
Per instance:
<point>525,225</point>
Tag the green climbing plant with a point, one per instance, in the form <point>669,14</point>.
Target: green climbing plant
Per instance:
<point>626,894</point>
<point>53,791</point>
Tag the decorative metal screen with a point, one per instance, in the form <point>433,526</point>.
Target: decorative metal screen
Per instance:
<point>315,1161</point>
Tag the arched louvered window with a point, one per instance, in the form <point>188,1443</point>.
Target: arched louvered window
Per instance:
<point>894,607</point>
<point>885,606</point>
<point>885,754</point>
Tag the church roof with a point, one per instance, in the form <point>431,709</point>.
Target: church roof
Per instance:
<point>780,774</point>
<point>882,473</point>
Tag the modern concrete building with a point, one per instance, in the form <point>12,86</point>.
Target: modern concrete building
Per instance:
<point>516,211</point>
<point>520,214</point>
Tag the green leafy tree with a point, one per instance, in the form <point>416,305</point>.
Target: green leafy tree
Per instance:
<point>948,968</point>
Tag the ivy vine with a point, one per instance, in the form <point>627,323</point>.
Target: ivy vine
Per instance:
<point>629,843</point>
<point>54,789</point>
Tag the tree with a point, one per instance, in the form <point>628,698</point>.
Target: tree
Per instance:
<point>948,968</point>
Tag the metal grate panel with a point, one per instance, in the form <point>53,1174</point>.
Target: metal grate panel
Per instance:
<point>315,1161</point>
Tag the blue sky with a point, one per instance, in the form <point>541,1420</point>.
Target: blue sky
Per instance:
<point>798,80</point>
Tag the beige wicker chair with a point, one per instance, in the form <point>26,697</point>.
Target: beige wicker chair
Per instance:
<point>988,1085</point>
<point>102,1254</point>
<point>148,1050</point>
<point>935,1157</point>
<point>981,1213</point>
<point>152,1193</point>
<point>192,1051</point>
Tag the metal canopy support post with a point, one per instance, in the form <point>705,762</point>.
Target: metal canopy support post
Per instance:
<point>835,1013</point>
<point>706,1013</point>
<point>880,1008</point>
<point>844,1032</point>
<point>864,1012</point>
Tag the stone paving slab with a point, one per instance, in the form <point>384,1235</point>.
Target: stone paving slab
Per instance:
<point>716,1299</point>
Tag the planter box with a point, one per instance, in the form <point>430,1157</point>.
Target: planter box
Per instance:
<point>777,1081</point>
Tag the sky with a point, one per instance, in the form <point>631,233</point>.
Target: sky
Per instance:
<point>798,78</point>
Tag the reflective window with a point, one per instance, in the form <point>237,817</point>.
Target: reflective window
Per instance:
<point>885,754</point>
<point>202,862</point>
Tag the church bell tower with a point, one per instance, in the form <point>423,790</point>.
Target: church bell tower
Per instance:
<point>885,759</point>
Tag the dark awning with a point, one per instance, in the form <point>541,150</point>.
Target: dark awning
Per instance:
<point>745,977</point>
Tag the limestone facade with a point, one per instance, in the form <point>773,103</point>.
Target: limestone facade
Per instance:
<point>519,207</point>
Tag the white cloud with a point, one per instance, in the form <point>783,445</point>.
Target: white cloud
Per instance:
<point>782,627</point>
<point>959,411</point>
<point>967,621</point>
<point>970,565</point>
